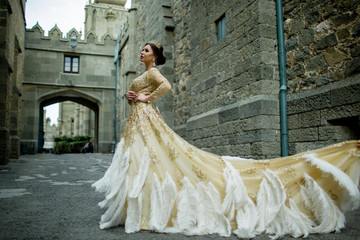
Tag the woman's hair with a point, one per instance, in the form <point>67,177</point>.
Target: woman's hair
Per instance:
<point>160,58</point>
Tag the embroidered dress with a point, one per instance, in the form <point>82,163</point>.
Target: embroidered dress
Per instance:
<point>157,181</point>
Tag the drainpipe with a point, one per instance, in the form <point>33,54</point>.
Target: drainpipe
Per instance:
<point>283,87</point>
<point>116,62</point>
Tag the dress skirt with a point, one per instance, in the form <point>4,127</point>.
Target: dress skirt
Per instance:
<point>157,181</point>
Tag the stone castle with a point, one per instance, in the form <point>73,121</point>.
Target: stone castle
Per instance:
<point>222,62</point>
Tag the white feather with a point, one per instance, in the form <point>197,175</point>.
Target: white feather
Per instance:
<point>327,215</point>
<point>353,200</point>
<point>141,176</point>
<point>133,215</point>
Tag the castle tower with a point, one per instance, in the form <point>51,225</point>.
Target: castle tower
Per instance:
<point>104,17</point>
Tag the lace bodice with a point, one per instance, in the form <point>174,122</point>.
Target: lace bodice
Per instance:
<point>152,83</point>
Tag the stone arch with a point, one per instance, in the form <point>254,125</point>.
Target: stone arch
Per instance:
<point>69,95</point>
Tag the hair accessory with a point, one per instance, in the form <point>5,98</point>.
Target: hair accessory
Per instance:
<point>156,43</point>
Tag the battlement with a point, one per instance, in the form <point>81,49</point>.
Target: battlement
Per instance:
<point>56,34</point>
<point>54,41</point>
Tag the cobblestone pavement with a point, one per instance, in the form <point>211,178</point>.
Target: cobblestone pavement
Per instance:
<point>49,196</point>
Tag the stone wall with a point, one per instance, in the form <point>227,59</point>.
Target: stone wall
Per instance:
<point>181,10</point>
<point>12,28</point>
<point>322,42</point>
<point>234,82</point>
<point>225,93</point>
<point>323,66</point>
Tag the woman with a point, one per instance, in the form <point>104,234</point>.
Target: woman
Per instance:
<point>157,181</point>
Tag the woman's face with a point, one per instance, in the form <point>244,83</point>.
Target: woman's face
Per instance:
<point>147,55</point>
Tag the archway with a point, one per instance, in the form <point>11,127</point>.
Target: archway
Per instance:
<point>73,96</point>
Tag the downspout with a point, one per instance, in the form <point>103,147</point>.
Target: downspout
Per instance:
<point>116,62</point>
<point>115,108</point>
<point>283,86</point>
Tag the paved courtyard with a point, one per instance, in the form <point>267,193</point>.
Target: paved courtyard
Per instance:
<point>49,196</point>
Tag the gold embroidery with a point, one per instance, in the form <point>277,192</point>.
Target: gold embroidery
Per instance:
<point>179,177</point>
<point>172,153</point>
<point>151,83</point>
<point>201,176</point>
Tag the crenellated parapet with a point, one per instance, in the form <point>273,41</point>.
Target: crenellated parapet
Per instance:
<point>56,34</point>
<point>56,40</point>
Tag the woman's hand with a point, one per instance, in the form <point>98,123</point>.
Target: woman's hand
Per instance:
<point>131,95</point>
<point>143,98</point>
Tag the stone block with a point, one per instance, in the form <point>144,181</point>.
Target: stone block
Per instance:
<point>266,149</point>
<point>263,72</point>
<point>308,101</point>
<point>297,70</point>
<point>304,134</point>
<point>302,54</point>
<point>309,119</point>
<point>336,133</point>
<point>263,44</point>
<point>291,44</point>
<point>296,26</point>
<point>333,56</point>
<point>264,87</point>
<point>328,41</point>
<point>345,95</point>
<point>293,121</point>
<point>343,111</point>
<point>267,31</point>
<point>301,147</point>
<point>229,115</point>
<point>355,50</point>
<point>241,150</point>
<point>316,63</point>
<point>343,34</point>
<point>342,19</point>
<point>203,120</point>
<point>306,37</point>
<point>352,67</point>
<point>312,17</point>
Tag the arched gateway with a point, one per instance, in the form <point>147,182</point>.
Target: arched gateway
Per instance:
<point>74,96</point>
<point>59,69</point>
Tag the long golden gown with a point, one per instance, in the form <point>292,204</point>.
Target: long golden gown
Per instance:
<point>157,181</point>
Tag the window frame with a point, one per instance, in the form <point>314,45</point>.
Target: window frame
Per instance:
<point>72,57</point>
<point>220,27</point>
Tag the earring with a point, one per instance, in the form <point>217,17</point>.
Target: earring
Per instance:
<point>154,64</point>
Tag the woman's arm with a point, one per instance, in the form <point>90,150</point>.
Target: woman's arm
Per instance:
<point>163,84</point>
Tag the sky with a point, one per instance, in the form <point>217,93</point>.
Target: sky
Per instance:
<point>67,14</point>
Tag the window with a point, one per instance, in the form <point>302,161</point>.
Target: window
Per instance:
<point>220,28</point>
<point>71,64</point>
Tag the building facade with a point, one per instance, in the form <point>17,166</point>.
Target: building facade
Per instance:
<point>223,67</point>
<point>72,68</point>
<point>75,120</point>
<point>222,62</point>
<point>12,35</point>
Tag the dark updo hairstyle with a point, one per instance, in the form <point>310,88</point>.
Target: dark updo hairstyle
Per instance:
<point>160,58</point>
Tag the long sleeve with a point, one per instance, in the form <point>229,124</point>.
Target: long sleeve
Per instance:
<point>163,84</point>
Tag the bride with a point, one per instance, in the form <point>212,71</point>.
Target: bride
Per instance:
<point>157,181</point>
